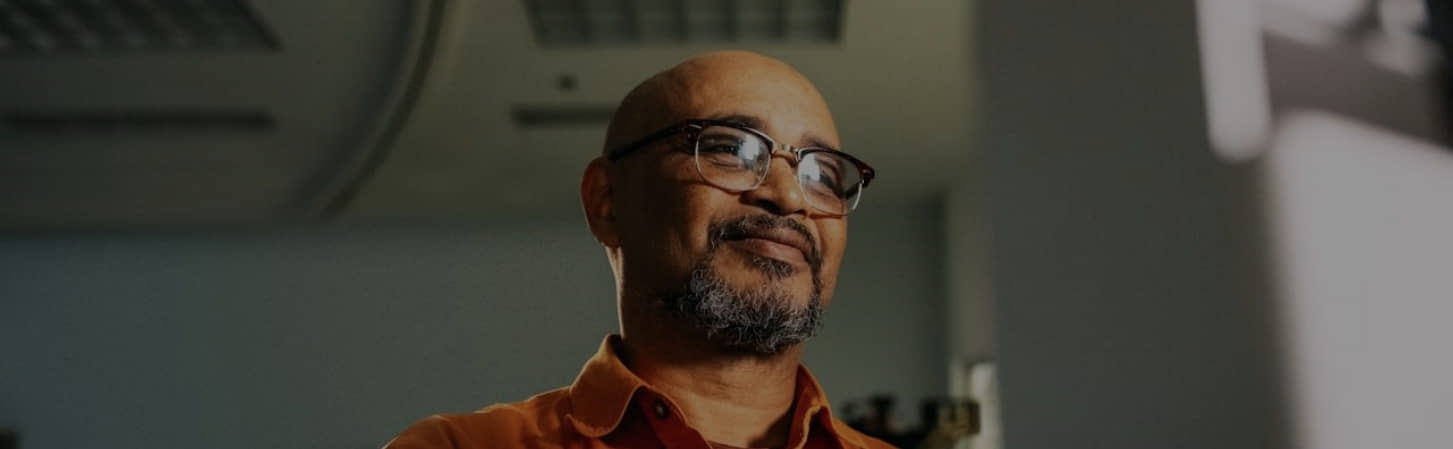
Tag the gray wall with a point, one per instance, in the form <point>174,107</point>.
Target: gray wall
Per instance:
<point>884,332</point>
<point>337,338</point>
<point>969,308</point>
<point>1126,305</point>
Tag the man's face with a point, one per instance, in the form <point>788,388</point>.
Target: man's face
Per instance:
<point>763,256</point>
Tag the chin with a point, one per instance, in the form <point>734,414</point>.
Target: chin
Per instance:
<point>795,286</point>
<point>764,267</point>
<point>738,303</point>
<point>751,269</point>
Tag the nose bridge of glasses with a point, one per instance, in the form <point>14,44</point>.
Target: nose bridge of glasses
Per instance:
<point>796,192</point>
<point>783,186</point>
<point>793,156</point>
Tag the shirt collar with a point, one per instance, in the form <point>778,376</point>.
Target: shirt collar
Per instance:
<point>812,404</point>
<point>602,393</point>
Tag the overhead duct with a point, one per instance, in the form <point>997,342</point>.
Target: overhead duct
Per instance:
<point>174,125</point>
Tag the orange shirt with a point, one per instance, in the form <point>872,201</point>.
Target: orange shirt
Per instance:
<point>608,407</point>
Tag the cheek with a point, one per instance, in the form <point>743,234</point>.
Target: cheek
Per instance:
<point>834,246</point>
<point>671,221</point>
<point>653,236</point>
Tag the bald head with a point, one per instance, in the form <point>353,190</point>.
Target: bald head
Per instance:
<point>708,84</point>
<point>742,268</point>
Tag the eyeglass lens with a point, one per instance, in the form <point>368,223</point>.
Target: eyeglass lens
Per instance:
<point>737,159</point>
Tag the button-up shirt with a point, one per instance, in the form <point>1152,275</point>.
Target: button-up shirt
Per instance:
<point>609,407</point>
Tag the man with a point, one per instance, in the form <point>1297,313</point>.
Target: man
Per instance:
<point>720,199</point>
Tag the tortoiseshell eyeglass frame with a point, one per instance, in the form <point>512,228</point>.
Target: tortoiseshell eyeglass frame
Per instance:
<point>693,128</point>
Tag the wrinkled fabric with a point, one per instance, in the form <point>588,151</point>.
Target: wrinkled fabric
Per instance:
<point>608,407</point>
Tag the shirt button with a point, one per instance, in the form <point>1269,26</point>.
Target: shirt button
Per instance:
<point>661,411</point>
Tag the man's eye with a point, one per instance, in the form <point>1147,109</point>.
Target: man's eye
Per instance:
<point>720,147</point>
<point>830,180</point>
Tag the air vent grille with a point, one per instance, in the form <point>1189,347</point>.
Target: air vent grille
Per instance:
<point>53,27</point>
<point>577,23</point>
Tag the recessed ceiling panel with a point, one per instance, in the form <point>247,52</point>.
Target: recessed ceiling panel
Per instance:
<point>587,23</point>
<point>52,27</point>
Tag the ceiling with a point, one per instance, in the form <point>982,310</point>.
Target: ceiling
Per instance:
<point>402,111</point>
<point>898,83</point>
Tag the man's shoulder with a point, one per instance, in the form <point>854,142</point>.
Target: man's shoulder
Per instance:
<point>525,423</point>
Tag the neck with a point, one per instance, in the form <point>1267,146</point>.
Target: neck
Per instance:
<point>739,400</point>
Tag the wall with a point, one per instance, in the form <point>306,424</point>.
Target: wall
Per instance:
<point>1361,222</point>
<point>884,332</point>
<point>969,306</point>
<point>338,338</point>
<point>1127,307</point>
<point>969,316</point>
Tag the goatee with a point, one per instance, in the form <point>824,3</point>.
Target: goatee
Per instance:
<point>759,320</point>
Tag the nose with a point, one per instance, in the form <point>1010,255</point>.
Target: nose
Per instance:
<point>778,193</point>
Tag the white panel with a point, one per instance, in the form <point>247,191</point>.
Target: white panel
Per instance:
<point>1332,12</point>
<point>1238,108</point>
<point>1361,222</point>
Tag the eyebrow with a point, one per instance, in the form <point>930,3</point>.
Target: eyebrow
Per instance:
<point>755,122</point>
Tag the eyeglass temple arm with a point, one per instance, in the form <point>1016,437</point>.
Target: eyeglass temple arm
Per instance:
<point>623,150</point>
<point>864,170</point>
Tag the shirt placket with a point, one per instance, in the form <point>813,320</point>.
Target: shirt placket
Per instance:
<point>668,424</point>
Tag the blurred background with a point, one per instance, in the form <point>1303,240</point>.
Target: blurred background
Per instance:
<point>264,223</point>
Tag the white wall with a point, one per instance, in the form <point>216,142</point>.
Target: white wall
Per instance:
<point>1361,216</point>
<point>337,338</point>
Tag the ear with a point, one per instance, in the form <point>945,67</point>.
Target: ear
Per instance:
<point>596,198</point>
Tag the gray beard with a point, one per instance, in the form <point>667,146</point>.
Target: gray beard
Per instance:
<point>760,320</point>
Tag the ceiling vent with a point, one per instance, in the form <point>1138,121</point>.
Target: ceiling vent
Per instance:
<point>138,122</point>
<point>587,23</point>
<point>53,27</point>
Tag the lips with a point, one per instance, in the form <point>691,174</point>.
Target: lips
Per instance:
<point>779,236</point>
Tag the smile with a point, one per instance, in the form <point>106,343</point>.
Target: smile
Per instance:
<point>772,249</point>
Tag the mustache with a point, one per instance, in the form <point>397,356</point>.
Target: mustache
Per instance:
<point>751,224</point>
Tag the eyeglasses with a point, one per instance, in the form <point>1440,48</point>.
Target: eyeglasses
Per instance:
<point>735,157</point>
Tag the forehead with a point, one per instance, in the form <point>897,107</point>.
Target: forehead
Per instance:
<point>781,103</point>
